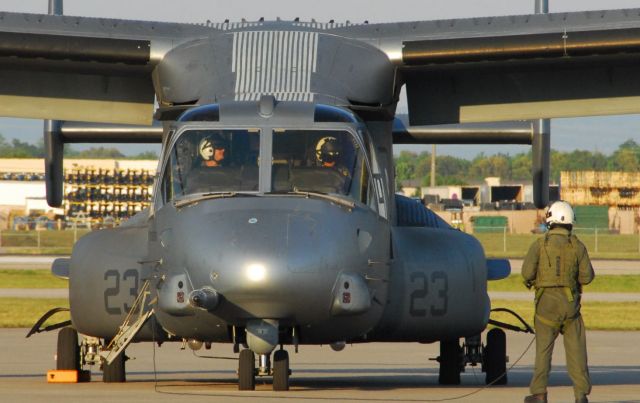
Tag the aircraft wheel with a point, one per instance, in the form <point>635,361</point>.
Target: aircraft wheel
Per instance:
<point>116,371</point>
<point>281,370</point>
<point>495,357</point>
<point>68,353</point>
<point>450,362</point>
<point>246,370</point>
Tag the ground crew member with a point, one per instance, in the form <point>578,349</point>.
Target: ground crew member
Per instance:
<point>558,266</point>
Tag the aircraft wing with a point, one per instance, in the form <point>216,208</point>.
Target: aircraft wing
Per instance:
<point>514,67</point>
<point>83,69</point>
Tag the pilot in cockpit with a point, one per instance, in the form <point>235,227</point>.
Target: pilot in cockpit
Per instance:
<point>212,150</point>
<point>329,154</point>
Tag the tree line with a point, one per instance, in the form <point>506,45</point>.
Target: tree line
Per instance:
<point>459,171</point>
<point>21,149</point>
<point>413,166</point>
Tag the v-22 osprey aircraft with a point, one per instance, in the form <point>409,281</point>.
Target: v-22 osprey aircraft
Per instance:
<point>274,220</point>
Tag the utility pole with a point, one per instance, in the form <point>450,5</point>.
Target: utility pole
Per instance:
<point>433,165</point>
<point>543,127</point>
<point>542,7</point>
<point>55,7</point>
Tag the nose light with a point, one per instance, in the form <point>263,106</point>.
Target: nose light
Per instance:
<point>256,272</point>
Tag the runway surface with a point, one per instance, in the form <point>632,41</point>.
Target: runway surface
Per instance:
<point>398,372</point>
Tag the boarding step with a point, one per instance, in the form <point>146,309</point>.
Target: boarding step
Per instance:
<point>136,318</point>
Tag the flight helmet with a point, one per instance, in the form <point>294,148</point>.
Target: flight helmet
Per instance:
<point>560,212</point>
<point>209,144</point>
<point>327,150</point>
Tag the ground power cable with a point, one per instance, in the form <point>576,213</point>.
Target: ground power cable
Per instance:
<point>489,384</point>
<point>476,391</point>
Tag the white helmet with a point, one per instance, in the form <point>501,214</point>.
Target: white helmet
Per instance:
<point>209,144</point>
<point>560,212</point>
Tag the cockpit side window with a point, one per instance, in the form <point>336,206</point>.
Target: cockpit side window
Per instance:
<point>212,160</point>
<point>325,161</point>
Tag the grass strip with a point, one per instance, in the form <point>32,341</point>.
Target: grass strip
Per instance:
<point>30,279</point>
<point>596,315</point>
<point>623,283</point>
<point>24,312</point>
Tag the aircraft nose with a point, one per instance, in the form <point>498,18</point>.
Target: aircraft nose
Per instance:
<point>271,263</point>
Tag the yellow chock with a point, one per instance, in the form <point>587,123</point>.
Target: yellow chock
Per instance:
<point>68,376</point>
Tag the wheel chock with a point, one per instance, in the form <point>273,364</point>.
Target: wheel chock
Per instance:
<point>68,376</point>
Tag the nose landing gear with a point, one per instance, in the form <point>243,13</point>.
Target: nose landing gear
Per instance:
<point>281,370</point>
<point>247,370</point>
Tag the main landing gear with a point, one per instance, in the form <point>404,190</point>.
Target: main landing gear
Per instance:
<point>73,356</point>
<point>247,370</point>
<point>493,357</point>
<point>68,352</point>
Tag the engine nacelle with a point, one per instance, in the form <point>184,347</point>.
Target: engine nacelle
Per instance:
<point>438,287</point>
<point>106,276</point>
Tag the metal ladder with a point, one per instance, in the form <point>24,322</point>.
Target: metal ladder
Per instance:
<point>130,327</point>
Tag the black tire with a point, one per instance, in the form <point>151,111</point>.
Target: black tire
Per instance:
<point>450,362</point>
<point>116,371</point>
<point>281,370</point>
<point>495,357</point>
<point>68,353</point>
<point>246,370</point>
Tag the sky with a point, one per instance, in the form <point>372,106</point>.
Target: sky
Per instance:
<point>602,134</point>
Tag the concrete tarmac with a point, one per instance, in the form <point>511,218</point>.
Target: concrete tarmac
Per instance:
<point>21,262</point>
<point>377,372</point>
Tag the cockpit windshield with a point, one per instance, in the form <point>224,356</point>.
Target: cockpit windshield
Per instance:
<point>208,160</point>
<point>324,161</point>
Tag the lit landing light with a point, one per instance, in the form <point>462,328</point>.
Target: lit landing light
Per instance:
<point>256,272</point>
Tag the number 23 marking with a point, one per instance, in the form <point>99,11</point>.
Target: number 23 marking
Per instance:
<point>440,280</point>
<point>115,290</point>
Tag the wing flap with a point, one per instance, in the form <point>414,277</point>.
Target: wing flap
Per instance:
<point>83,69</point>
<point>515,67</point>
<point>74,48</point>
<point>74,96</point>
<point>559,44</point>
<point>484,93</point>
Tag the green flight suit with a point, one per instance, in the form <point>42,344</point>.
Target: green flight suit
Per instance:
<point>558,266</point>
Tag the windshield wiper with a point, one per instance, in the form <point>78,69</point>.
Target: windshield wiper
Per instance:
<point>208,196</point>
<point>334,199</point>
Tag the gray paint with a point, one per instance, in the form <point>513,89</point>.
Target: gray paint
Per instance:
<point>303,247</point>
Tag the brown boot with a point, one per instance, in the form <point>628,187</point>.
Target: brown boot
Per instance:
<point>537,398</point>
<point>582,399</point>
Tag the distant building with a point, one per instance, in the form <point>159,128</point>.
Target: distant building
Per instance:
<point>599,188</point>
<point>410,188</point>
<point>93,187</point>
